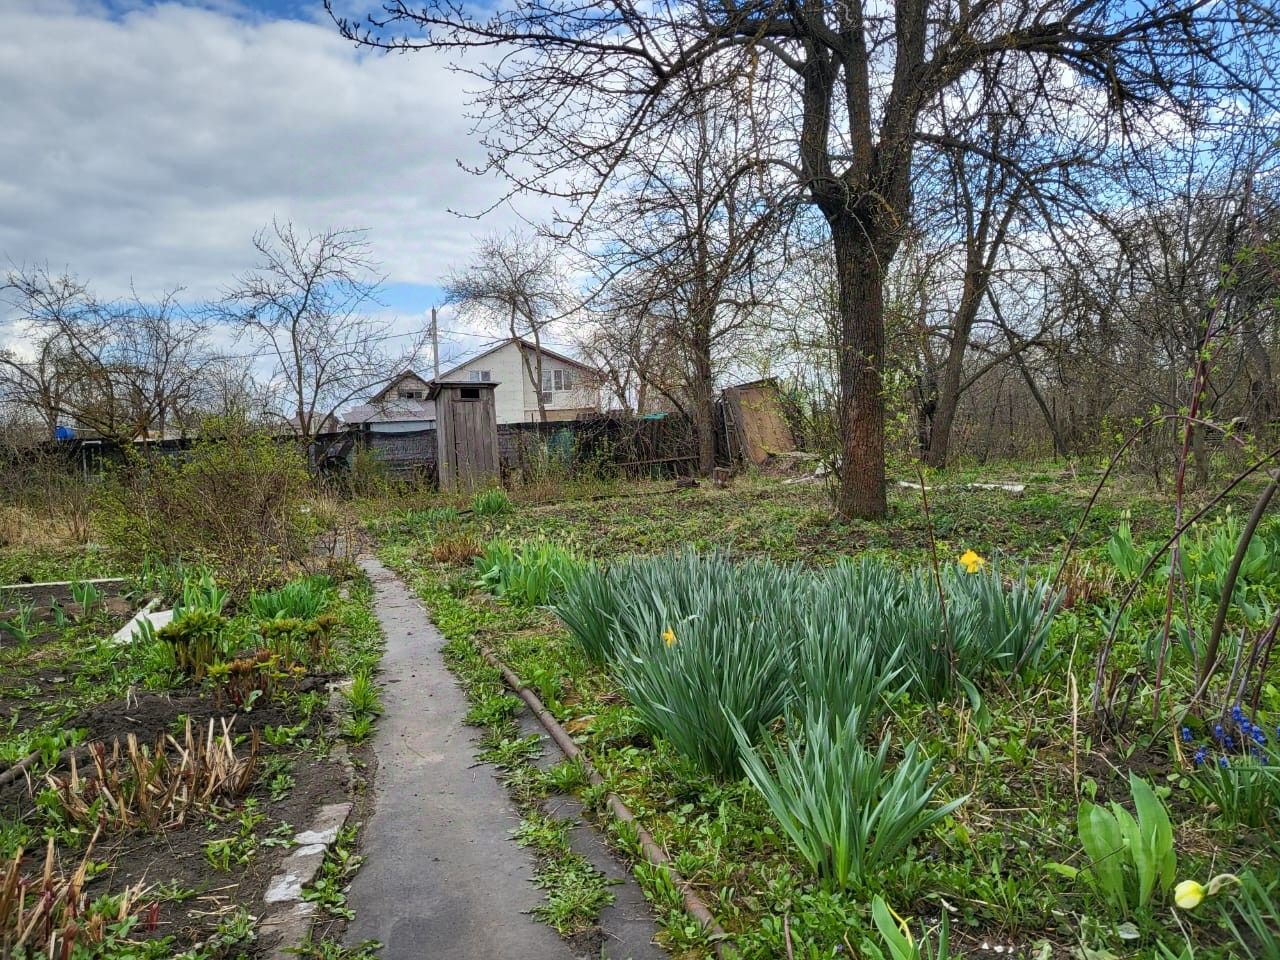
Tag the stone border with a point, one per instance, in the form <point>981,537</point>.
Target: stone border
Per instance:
<point>287,919</point>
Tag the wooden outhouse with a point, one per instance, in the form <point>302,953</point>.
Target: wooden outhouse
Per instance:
<point>466,434</point>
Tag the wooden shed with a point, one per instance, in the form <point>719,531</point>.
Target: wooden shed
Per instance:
<point>466,434</point>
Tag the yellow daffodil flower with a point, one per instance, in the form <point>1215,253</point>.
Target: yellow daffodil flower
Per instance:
<point>1188,894</point>
<point>971,562</point>
<point>669,637</point>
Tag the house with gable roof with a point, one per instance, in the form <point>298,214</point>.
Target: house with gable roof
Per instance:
<point>570,389</point>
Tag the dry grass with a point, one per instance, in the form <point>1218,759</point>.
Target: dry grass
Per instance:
<point>156,789</point>
<point>48,916</point>
<point>29,528</point>
<point>456,550</point>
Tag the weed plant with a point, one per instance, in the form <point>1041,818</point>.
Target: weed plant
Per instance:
<point>491,503</point>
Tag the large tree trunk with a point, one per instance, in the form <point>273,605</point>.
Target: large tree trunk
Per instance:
<point>860,272</point>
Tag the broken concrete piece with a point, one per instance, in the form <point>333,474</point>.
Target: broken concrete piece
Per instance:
<point>288,925</point>
<point>284,888</point>
<point>158,619</point>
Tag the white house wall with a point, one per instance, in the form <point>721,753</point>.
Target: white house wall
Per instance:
<point>516,399</point>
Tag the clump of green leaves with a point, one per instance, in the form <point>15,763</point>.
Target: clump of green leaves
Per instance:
<point>491,503</point>
<point>898,940</point>
<point>302,599</point>
<point>1131,856</point>
<point>533,574</point>
<point>585,606</point>
<point>845,808</point>
<point>1253,918</point>
<point>194,642</point>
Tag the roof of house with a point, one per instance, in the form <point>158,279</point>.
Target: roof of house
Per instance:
<point>396,381</point>
<point>396,410</point>
<point>529,345</point>
<point>384,409</point>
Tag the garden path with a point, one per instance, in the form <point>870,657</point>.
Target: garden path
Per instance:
<point>443,880</point>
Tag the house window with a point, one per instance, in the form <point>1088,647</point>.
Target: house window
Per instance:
<point>559,380</point>
<point>546,397</point>
<point>480,376</point>
<point>411,394</point>
<point>469,393</point>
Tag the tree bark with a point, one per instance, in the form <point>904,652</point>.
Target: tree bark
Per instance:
<point>704,412</point>
<point>944,414</point>
<point>860,271</point>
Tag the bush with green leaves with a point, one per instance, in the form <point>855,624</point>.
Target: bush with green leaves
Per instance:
<point>847,810</point>
<point>533,574</point>
<point>235,501</point>
<point>1132,861</point>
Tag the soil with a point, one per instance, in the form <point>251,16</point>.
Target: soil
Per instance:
<point>175,858</point>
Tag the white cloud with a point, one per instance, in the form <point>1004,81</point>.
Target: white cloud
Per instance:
<point>149,146</point>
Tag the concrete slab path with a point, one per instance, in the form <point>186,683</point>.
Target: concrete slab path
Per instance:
<point>443,880</point>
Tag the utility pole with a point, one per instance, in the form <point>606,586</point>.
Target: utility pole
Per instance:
<point>435,344</point>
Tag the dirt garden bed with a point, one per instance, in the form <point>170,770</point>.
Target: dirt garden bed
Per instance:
<point>174,771</point>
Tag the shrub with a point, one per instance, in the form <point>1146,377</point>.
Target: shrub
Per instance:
<point>234,501</point>
<point>844,808</point>
<point>491,503</point>
<point>1131,858</point>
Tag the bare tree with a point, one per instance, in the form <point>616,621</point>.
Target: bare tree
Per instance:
<point>38,378</point>
<point>845,94</point>
<point>121,369</point>
<point>514,282</point>
<point>307,307</point>
<point>680,245</point>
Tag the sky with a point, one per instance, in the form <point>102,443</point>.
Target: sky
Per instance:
<point>144,143</point>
